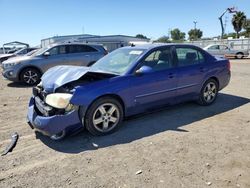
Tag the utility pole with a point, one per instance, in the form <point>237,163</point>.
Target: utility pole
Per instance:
<point>195,22</point>
<point>230,10</point>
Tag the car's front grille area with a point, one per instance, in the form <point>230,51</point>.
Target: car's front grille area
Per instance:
<point>41,107</point>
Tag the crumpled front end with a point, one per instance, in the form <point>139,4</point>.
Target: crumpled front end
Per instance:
<point>49,120</point>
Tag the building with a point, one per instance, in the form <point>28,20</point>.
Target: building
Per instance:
<point>110,42</point>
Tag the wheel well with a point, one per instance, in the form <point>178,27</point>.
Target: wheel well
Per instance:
<point>33,67</point>
<point>240,53</point>
<point>216,79</point>
<point>117,97</point>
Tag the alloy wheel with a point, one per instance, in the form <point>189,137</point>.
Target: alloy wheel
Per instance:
<point>106,117</point>
<point>210,92</point>
<point>30,77</point>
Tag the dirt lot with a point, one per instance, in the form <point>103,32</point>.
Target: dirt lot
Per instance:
<point>184,146</point>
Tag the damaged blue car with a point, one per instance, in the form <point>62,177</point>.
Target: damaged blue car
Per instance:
<point>128,81</point>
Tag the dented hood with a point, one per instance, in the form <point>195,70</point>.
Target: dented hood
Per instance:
<point>61,75</point>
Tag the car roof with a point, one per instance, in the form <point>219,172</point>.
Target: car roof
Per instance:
<point>73,43</point>
<point>156,45</point>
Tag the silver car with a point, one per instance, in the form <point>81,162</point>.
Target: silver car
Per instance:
<point>29,68</point>
<point>23,51</point>
<point>225,51</point>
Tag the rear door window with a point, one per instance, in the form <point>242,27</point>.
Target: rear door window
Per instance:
<point>189,56</point>
<point>80,49</point>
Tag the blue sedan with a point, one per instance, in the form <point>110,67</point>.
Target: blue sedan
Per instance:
<point>128,81</point>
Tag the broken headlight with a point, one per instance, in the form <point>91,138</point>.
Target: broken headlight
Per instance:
<point>59,100</point>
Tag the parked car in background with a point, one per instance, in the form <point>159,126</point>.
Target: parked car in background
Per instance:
<point>28,69</point>
<point>126,82</point>
<point>3,50</point>
<point>23,51</point>
<point>225,51</point>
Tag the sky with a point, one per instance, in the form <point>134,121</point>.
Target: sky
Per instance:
<point>32,20</point>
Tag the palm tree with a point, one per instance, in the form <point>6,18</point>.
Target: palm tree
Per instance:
<point>246,26</point>
<point>238,21</point>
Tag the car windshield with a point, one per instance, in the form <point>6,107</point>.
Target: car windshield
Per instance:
<point>21,51</point>
<point>118,61</point>
<point>40,51</point>
<point>31,52</point>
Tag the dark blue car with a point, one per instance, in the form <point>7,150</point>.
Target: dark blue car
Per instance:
<point>128,81</point>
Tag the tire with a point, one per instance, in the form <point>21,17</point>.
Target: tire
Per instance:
<point>104,116</point>
<point>30,76</point>
<point>209,92</point>
<point>239,55</point>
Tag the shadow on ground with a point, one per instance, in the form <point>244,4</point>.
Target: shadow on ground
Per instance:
<point>146,125</point>
<point>18,85</point>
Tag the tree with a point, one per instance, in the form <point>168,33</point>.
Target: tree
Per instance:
<point>195,34</point>
<point>163,39</point>
<point>246,26</point>
<point>177,35</point>
<point>238,21</point>
<point>141,36</point>
<point>233,35</point>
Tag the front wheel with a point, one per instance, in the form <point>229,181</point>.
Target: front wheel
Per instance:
<point>208,92</point>
<point>104,116</point>
<point>30,76</point>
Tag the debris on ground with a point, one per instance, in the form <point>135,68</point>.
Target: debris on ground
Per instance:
<point>95,145</point>
<point>209,183</point>
<point>10,147</point>
<point>138,172</point>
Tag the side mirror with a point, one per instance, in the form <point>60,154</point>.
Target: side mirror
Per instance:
<point>144,70</point>
<point>46,54</point>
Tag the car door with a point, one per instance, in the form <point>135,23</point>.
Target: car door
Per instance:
<point>55,56</point>
<point>81,55</point>
<point>224,50</point>
<point>214,50</point>
<point>192,68</point>
<point>158,86</point>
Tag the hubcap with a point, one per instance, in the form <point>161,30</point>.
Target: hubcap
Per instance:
<point>239,56</point>
<point>106,117</point>
<point>210,92</point>
<point>30,77</point>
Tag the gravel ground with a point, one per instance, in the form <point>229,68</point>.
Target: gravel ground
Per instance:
<point>183,146</point>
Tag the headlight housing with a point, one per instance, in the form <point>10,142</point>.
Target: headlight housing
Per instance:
<point>58,100</point>
<point>8,65</point>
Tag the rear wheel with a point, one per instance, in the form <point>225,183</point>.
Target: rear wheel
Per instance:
<point>30,76</point>
<point>208,92</point>
<point>239,55</point>
<point>104,116</point>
